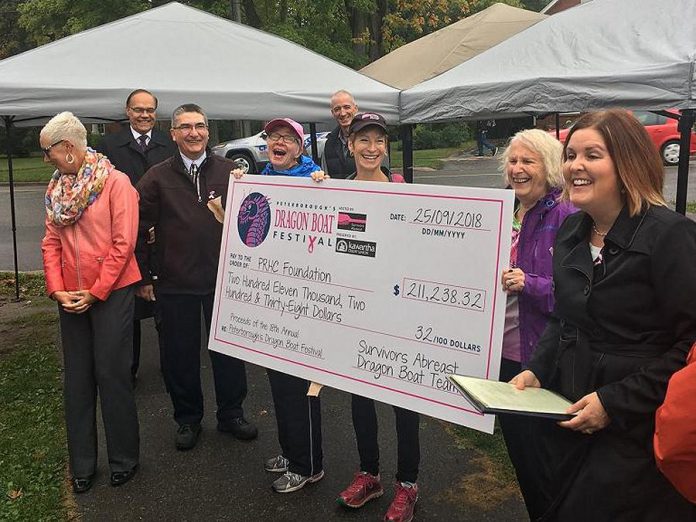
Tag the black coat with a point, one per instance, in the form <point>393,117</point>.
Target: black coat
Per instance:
<point>186,231</point>
<point>339,163</point>
<point>125,154</point>
<point>620,328</point>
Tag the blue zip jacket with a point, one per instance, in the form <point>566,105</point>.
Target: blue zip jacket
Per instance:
<point>302,170</point>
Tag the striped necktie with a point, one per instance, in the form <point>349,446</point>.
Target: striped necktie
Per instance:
<point>193,172</point>
<point>142,141</point>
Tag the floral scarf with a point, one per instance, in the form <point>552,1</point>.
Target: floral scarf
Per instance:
<point>69,195</point>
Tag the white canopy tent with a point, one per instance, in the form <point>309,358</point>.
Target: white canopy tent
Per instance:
<point>188,56</point>
<point>638,54</point>
<point>231,70</point>
<point>438,52</point>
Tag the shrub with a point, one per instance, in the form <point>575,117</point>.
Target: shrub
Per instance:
<point>440,135</point>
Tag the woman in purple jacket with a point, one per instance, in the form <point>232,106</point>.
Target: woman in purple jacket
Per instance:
<point>532,167</point>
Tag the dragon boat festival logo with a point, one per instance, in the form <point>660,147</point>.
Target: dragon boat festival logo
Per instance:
<point>254,219</point>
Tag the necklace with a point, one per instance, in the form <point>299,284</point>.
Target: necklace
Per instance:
<point>600,234</point>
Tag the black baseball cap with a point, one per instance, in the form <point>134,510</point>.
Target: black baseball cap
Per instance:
<point>365,119</point>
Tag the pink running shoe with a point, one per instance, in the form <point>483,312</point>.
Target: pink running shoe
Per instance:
<point>364,488</point>
<point>404,503</point>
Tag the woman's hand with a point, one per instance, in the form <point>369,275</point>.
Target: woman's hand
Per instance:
<point>63,298</point>
<point>591,415</point>
<point>525,379</point>
<point>82,300</point>
<point>319,175</point>
<point>237,173</point>
<point>513,280</point>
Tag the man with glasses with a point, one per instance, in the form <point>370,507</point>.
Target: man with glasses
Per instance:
<point>173,199</point>
<point>133,151</point>
<point>336,160</point>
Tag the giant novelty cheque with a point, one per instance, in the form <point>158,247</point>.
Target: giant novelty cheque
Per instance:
<point>379,289</point>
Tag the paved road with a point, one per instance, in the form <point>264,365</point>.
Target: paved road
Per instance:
<point>468,171</point>
<point>222,479</point>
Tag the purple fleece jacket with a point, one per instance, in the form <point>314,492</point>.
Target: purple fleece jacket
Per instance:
<point>534,257</point>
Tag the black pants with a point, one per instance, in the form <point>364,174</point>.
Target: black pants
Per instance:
<point>142,311</point>
<point>299,423</point>
<point>521,434</point>
<point>408,444</point>
<point>181,330</point>
<point>97,355</point>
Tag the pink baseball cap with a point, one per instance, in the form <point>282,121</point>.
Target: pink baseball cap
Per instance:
<point>286,122</point>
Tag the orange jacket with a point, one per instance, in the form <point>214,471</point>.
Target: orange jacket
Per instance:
<point>675,430</point>
<point>96,252</point>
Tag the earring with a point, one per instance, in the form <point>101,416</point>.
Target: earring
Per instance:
<point>70,158</point>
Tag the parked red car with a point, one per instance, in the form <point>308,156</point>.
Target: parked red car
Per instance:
<point>663,133</point>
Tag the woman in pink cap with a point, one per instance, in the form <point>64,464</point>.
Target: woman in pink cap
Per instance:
<point>298,416</point>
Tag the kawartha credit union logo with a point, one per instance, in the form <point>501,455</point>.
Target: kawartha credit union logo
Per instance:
<point>254,219</point>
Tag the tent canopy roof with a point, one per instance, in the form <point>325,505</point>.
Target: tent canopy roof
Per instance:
<point>438,52</point>
<point>182,55</point>
<point>637,54</point>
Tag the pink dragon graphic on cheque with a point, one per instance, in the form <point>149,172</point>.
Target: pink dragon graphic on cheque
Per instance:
<point>254,219</point>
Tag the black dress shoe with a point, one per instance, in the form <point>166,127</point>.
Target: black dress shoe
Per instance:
<point>239,427</point>
<point>187,436</point>
<point>82,484</point>
<point>119,478</point>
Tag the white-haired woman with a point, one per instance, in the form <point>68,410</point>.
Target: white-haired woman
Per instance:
<point>91,230</point>
<point>531,165</point>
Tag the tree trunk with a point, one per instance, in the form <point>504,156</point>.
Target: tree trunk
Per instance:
<point>358,24</point>
<point>252,17</point>
<point>376,23</point>
<point>283,8</point>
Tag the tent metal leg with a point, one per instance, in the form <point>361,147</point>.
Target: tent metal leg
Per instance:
<point>686,122</point>
<point>407,151</point>
<point>8,128</point>
<point>313,139</point>
<point>558,126</point>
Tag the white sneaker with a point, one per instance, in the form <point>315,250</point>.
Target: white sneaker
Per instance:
<point>290,482</point>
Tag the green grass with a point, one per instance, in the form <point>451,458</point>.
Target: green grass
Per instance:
<point>33,455</point>
<point>491,445</point>
<point>691,207</point>
<point>493,480</point>
<point>26,169</point>
<point>423,158</point>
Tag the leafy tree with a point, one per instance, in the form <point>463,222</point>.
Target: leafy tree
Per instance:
<point>409,20</point>
<point>13,38</point>
<point>352,32</point>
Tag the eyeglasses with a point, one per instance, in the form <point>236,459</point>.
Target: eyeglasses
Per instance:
<point>187,127</point>
<point>46,150</point>
<point>143,110</point>
<point>285,138</point>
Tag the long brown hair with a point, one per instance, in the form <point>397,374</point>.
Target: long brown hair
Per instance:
<point>637,161</point>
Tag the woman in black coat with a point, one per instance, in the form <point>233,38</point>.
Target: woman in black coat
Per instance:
<point>625,317</point>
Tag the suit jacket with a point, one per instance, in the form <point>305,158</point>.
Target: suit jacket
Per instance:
<point>125,154</point>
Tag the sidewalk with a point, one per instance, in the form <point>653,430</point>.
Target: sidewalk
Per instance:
<point>223,479</point>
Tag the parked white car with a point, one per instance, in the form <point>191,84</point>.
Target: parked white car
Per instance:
<point>251,153</point>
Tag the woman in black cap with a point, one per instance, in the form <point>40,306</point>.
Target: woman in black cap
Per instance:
<point>367,142</point>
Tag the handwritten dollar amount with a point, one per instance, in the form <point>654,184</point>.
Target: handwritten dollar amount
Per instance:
<point>444,294</point>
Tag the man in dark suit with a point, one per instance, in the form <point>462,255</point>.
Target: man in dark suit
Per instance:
<point>133,151</point>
